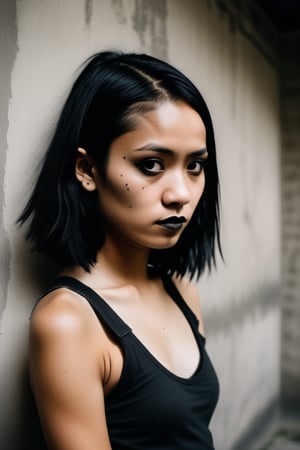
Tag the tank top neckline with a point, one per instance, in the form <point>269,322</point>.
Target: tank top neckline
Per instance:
<point>121,329</point>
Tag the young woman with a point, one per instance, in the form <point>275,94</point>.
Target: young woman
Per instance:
<point>127,203</point>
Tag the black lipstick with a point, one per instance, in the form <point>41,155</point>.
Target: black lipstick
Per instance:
<point>172,223</point>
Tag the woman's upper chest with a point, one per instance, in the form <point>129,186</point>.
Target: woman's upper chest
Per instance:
<point>159,325</point>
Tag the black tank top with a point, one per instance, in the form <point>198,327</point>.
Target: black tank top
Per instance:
<point>150,407</point>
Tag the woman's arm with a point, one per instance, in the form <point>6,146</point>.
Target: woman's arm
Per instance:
<point>67,373</point>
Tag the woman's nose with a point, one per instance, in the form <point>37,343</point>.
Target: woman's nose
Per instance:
<point>176,192</point>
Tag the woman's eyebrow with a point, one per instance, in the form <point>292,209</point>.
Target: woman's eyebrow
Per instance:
<point>159,149</point>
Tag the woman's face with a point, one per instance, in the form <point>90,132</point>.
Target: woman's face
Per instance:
<point>154,177</point>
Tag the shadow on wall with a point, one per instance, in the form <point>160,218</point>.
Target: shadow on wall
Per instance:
<point>37,273</point>
<point>31,435</point>
<point>36,270</point>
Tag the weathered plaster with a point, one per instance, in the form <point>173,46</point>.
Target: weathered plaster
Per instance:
<point>244,16</point>
<point>88,11</point>
<point>120,11</point>
<point>262,301</point>
<point>149,21</point>
<point>8,49</point>
<point>240,302</point>
<point>290,107</point>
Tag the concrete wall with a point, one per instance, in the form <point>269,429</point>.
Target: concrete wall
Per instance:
<point>291,225</point>
<point>45,42</point>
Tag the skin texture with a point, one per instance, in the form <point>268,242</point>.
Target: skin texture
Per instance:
<point>153,172</point>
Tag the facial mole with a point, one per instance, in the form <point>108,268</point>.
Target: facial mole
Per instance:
<point>121,175</point>
<point>124,157</point>
<point>130,206</point>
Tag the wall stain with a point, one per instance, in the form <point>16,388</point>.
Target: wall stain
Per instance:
<point>247,18</point>
<point>239,311</point>
<point>119,10</point>
<point>88,10</point>
<point>149,21</point>
<point>8,36</point>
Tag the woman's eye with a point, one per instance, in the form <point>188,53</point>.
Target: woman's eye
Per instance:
<point>196,167</point>
<point>151,166</point>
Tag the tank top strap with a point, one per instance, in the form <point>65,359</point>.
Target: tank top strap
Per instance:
<point>99,305</point>
<point>172,290</point>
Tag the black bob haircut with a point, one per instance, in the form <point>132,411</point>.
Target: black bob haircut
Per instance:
<point>64,219</point>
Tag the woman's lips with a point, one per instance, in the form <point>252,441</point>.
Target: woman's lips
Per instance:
<point>173,223</point>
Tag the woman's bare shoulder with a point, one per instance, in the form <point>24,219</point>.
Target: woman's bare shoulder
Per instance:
<point>67,362</point>
<point>63,315</point>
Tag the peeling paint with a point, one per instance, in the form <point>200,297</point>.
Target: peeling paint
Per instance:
<point>150,22</point>
<point>8,39</point>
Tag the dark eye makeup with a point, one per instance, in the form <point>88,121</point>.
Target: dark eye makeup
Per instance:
<point>154,166</point>
<point>150,166</point>
<point>196,167</point>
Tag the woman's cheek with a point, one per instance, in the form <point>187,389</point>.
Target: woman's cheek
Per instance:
<point>126,192</point>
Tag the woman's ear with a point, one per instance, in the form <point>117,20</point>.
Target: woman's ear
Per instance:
<point>85,170</point>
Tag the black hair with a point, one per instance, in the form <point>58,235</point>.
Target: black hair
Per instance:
<point>64,219</point>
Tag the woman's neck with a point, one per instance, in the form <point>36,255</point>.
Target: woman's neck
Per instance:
<point>117,264</point>
<point>123,261</point>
